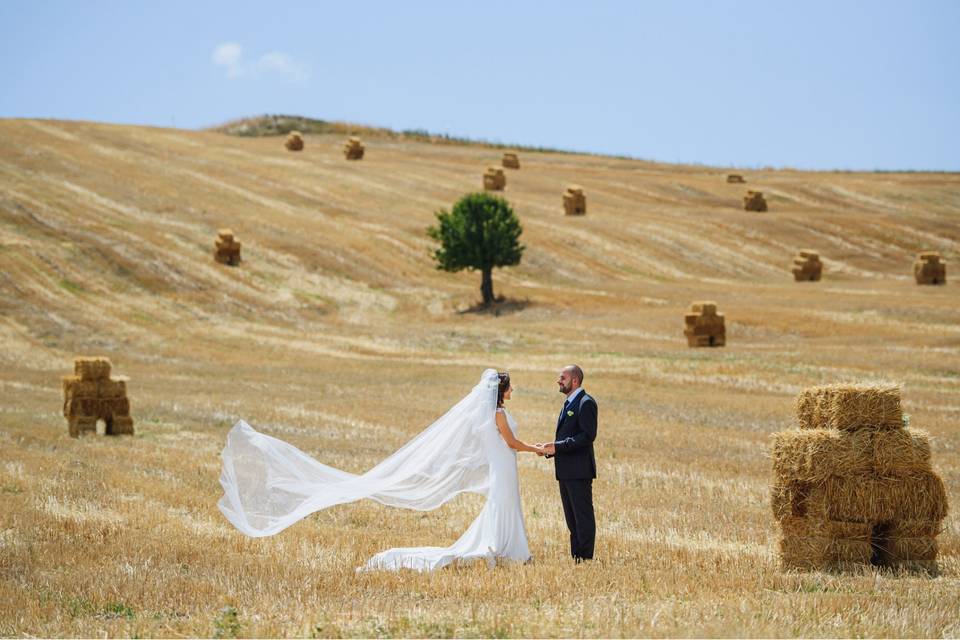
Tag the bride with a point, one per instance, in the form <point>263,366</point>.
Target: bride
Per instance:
<point>268,484</point>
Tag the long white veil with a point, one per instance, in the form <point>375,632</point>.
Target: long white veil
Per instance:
<point>269,484</point>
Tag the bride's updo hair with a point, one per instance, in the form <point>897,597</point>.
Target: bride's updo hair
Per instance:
<point>504,385</point>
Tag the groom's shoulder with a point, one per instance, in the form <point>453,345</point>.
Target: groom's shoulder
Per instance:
<point>587,398</point>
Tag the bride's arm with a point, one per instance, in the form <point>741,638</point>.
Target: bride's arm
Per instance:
<point>508,436</point>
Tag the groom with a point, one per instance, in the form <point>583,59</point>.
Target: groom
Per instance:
<point>574,462</point>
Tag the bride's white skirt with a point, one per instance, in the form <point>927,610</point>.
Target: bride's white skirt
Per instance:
<point>498,533</point>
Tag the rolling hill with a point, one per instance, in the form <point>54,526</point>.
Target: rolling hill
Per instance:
<point>337,333</point>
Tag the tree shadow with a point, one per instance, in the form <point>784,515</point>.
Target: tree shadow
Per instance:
<point>500,306</point>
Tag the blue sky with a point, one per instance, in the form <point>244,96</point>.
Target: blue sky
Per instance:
<point>857,85</point>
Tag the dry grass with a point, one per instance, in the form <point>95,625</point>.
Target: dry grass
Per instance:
<point>339,335</point>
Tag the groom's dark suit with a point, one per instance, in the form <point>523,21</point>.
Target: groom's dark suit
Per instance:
<point>576,467</point>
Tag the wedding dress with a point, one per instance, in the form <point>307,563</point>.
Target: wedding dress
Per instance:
<point>269,484</point>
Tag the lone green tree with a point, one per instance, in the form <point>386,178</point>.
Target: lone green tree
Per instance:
<point>481,232</point>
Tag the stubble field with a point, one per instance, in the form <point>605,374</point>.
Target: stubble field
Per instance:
<point>338,335</point>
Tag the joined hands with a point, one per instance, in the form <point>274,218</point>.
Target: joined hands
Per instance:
<point>545,448</point>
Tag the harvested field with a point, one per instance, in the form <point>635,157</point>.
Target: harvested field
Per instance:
<point>339,335</point>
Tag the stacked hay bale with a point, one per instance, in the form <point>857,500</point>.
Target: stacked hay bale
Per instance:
<point>91,394</point>
<point>353,149</point>
<point>735,178</point>
<point>807,266</point>
<point>510,161</point>
<point>754,201</point>
<point>929,269</point>
<point>574,202</point>
<point>494,179</point>
<point>704,326</point>
<point>853,485</point>
<point>226,248</point>
<point>294,141</point>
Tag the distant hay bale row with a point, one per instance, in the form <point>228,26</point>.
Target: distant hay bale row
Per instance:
<point>353,149</point>
<point>929,269</point>
<point>494,179</point>
<point>91,395</point>
<point>574,201</point>
<point>294,141</point>
<point>510,161</point>
<point>853,485</point>
<point>735,178</point>
<point>704,327</point>
<point>807,266</point>
<point>226,248</point>
<point>754,201</point>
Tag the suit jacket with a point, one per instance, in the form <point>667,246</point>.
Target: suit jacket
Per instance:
<point>576,431</point>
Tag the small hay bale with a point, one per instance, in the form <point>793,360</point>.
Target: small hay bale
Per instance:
<point>494,179</point>
<point>807,266</point>
<point>91,369</point>
<point>823,552</point>
<point>226,248</point>
<point>510,161</point>
<point>703,326</point>
<point>849,407</point>
<point>574,201</point>
<point>914,529</point>
<point>294,141</point>
<point>91,395</point>
<point>754,201</point>
<point>929,269</point>
<point>735,178</point>
<point>353,149</point>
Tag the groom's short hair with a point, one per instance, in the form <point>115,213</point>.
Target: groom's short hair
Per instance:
<point>576,372</point>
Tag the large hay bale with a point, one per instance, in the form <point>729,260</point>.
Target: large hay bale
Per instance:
<point>807,266</point>
<point>854,464</point>
<point>704,327</point>
<point>930,269</point>
<point>754,201</point>
<point>91,395</point>
<point>353,149</point>
<point>574,201</point>
<point>294,141</point>
<point>813,455</point>
<point>494,179</point>
<point>510,161</point>
<point>849,407</point>
<point>863,498</point>
<point>226,248</point>
<point>735,178</point>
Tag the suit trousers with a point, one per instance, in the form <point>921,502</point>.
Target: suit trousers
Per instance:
<point>577,498</point>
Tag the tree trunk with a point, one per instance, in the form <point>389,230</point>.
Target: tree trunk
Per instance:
<point>486,287</point>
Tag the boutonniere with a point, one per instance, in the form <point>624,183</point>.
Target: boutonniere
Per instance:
<point>570,413</point>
